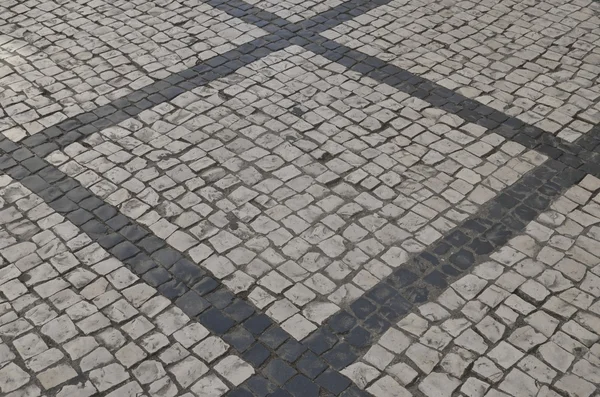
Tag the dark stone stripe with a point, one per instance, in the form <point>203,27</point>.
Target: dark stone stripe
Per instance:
<point>251,14</point>
<point>272,23</point>
<point>583,154</point>
<point>78,127</point>
<point>345,336</point>
<point>427,275</point>
<point>315,362</point>
<point>257,339</point>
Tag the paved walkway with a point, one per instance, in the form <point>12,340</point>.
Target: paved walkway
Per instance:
<point>300,198</point>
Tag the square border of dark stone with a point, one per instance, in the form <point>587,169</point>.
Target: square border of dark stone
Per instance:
<point>425,276</point>
<point>346,335</point>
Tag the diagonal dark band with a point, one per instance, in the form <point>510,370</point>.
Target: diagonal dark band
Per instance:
<point>425,276</point>
<point>85,124</point>
<point>279,31</point>
<point>312,365</point>
<point>583,154</point>
<point>257,339</point>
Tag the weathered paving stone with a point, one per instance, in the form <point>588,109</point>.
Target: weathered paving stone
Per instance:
<point>12,377</point>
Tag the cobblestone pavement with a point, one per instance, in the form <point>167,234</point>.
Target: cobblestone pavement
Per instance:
<point>300,198</point>
<point>523,323</point>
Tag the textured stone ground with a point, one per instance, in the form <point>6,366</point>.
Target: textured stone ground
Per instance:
<point>299,198</point>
